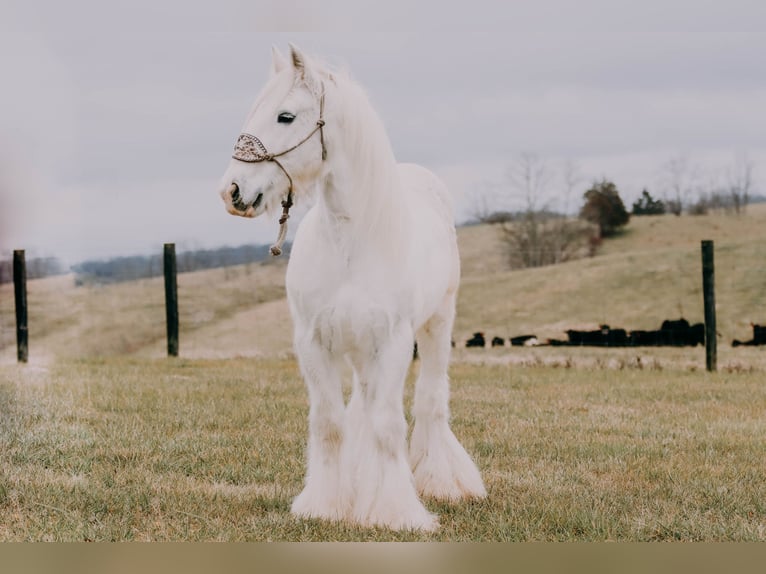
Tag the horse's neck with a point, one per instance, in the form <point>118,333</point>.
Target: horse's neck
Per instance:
<point>362,201</point>
<point>363,216</point>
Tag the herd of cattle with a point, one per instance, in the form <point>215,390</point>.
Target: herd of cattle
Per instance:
<point>672,333</point>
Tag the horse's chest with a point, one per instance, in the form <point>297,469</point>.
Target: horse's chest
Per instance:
<point>349,324</point>
<point>344,314</point>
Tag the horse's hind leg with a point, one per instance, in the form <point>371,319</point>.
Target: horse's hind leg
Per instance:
<point>327,490</point>
<point>441,466</point>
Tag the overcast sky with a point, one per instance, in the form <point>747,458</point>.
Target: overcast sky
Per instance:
<point>117,121</point>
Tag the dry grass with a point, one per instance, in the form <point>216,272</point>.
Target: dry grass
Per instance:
<point>650,233</point>
<point>129,318</point>
<point>213,450</point>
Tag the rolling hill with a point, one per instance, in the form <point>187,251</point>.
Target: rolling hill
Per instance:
<point>650,272</point>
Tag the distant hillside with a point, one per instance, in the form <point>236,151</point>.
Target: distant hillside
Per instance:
<point>120,269</point>
<point>128,317</point>
<point>648,273</point>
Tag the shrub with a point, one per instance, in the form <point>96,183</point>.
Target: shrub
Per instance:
<point>647,205</point>
<point>604,207</point>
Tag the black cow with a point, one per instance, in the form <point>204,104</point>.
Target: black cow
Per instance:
<point>585,338</point>
<point>521,339</point>
<point>696,334</point>
<point>604,337</point>
<point>672,333</point>
<point>681,334</point>
<point>617,338</point>
<point>498,342</point>
<point>476,341</point>
<point>759,337</point>
<point>644,338</point>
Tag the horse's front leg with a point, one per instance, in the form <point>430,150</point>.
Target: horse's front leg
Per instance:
<point>384,491</point>
<point>326,493</point>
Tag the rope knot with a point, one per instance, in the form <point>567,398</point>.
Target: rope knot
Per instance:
<point>287,203</point>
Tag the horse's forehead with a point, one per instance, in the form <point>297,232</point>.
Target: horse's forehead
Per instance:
<point>268,99</point>
<point>276,90</point>
<point>271,99</point>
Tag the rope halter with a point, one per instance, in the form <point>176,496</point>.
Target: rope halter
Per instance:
<point>250,149</point>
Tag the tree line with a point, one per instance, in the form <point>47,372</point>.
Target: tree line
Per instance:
<point>145,266</point>
<point>542,232</point>
<point>119,269</point>
<point>37,267</point>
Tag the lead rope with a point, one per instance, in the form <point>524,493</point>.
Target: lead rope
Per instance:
<point>276,249</point>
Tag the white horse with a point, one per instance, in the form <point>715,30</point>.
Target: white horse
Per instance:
<point>374,265</point>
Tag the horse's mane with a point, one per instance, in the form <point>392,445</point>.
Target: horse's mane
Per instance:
<point>377,193</point>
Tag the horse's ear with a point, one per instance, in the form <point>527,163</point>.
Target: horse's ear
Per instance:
<point>299,62</point>
<point>278,61</point>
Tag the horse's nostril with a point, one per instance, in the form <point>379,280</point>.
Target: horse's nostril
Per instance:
<point>234,191</point>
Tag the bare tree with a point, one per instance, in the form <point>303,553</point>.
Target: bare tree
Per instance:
<point>530,178</point>
<point>679,178</point>
<point>740,182</point>
<point>566,235</point>
<point>571,177</point>
<point>488,204</point>
<point>537,236</point>
<point>726,190</point>
<point>712,196</point>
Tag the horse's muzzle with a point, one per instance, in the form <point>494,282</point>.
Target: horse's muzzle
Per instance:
<point>236,205</point>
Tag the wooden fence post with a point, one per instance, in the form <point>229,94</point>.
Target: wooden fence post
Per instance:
<point>171,298</point>
<point>708,293</point>
<point>20,295</point>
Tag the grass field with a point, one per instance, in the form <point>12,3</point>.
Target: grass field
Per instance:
<point>134,449</point>
<point>102,438</point>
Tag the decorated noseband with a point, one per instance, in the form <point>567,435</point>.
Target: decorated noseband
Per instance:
<point>250,149</point>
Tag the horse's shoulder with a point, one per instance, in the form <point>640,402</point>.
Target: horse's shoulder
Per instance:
<point>418,179</point>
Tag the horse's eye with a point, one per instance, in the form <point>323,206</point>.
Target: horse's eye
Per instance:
<point>285,118</point>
